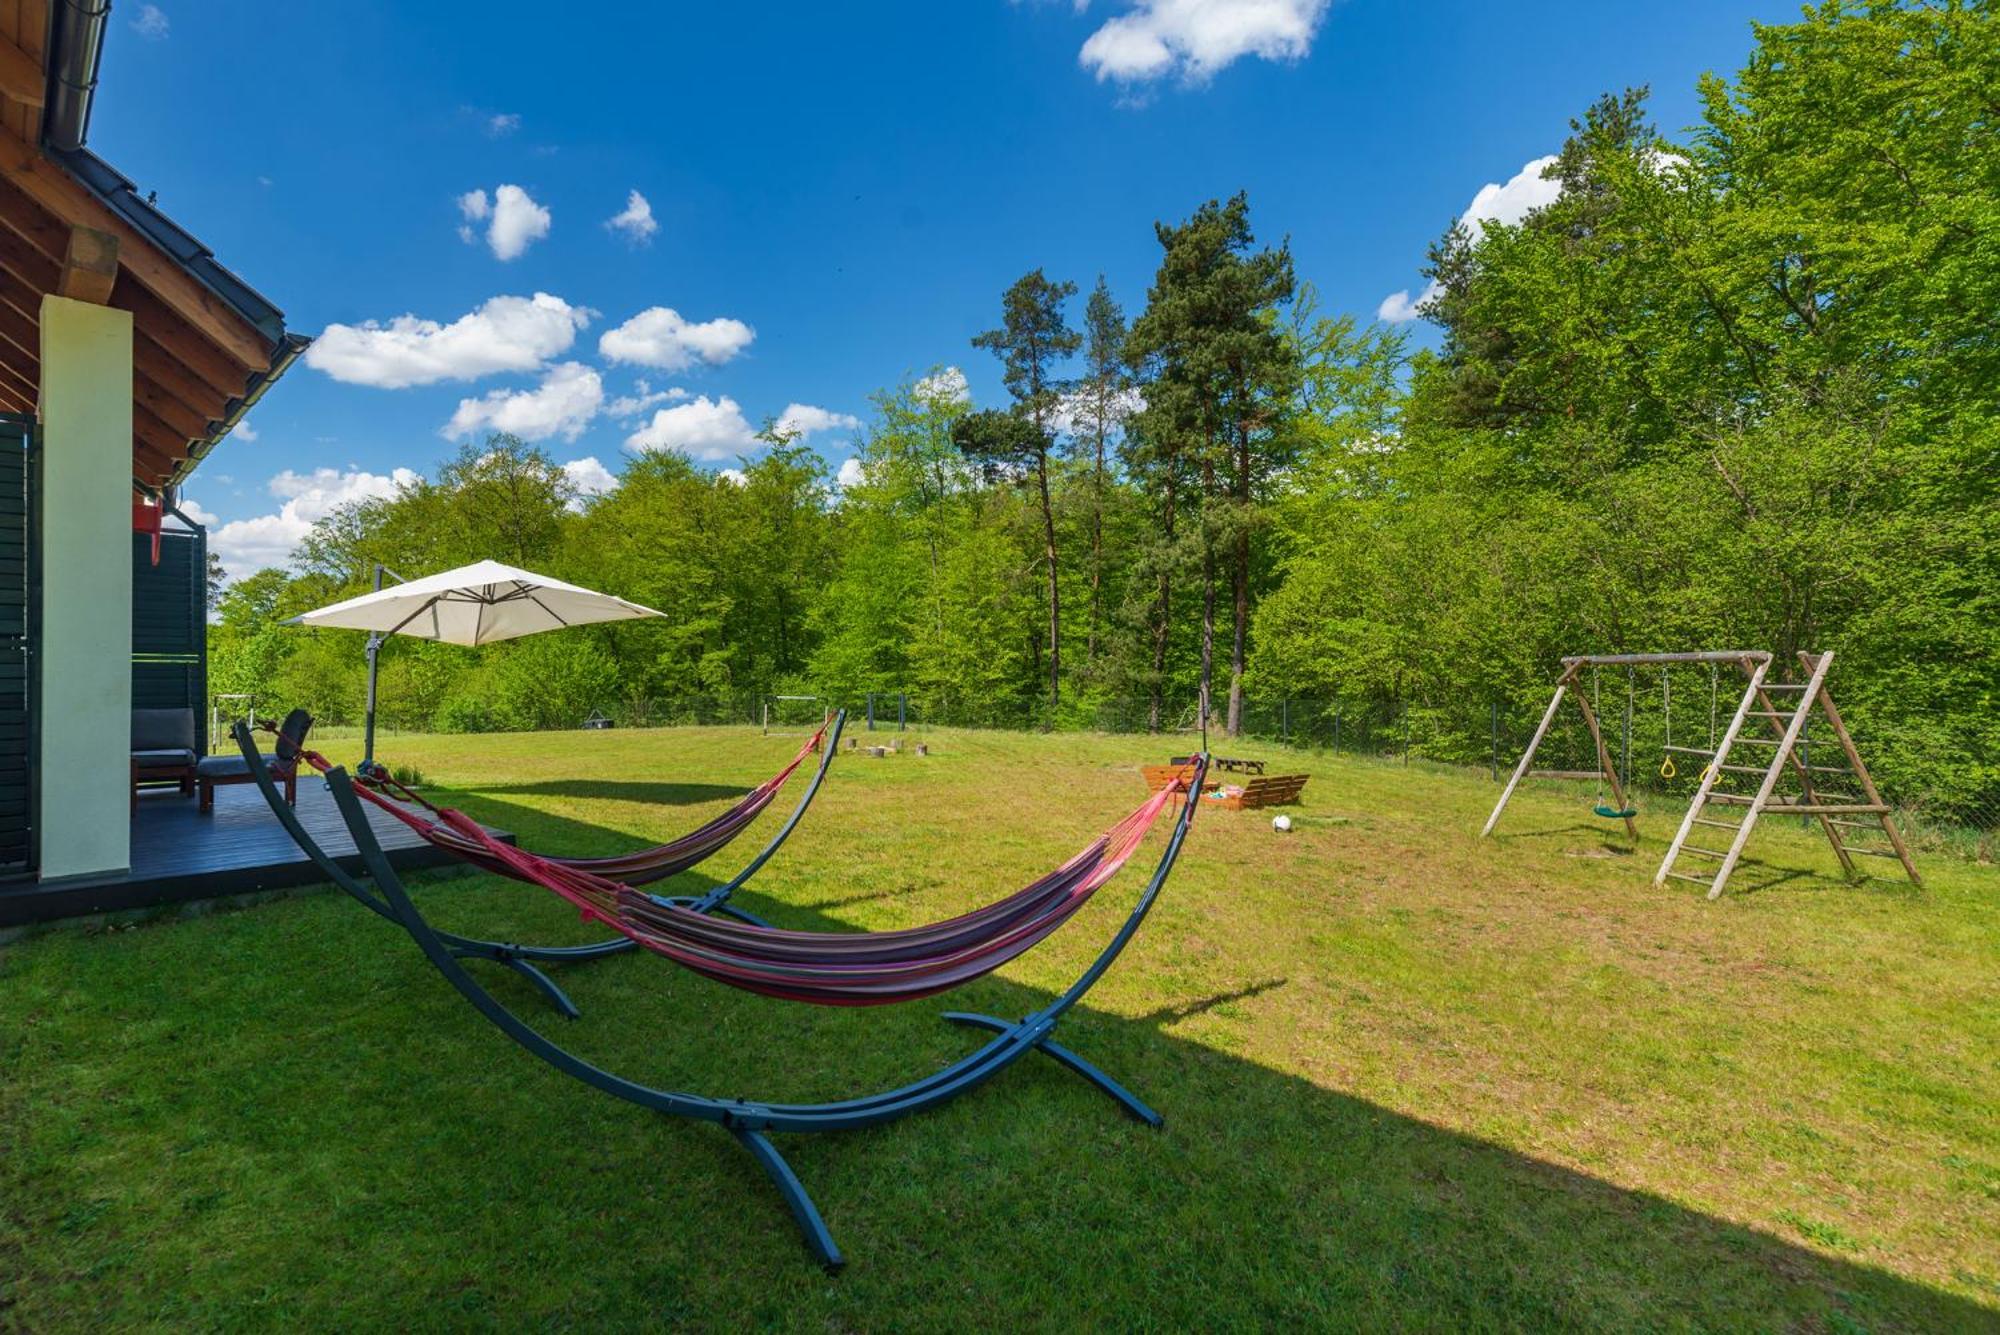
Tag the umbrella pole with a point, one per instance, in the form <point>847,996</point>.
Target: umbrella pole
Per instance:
<point>368,723</point>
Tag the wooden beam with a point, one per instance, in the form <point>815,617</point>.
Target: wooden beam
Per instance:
<point>89,267</point>
<point>224,377</point>
<point>22,258</point>
<point>24,336</point>
<point>149,465</point>
<point>159,367</point>
<point>60,194</point>
<point>21,76</point>
<point>33,223</point>
<point>170,444</point>
<point>183,419</point>
<point>25,383</point>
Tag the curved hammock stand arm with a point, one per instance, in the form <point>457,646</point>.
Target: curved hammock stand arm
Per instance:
<point>519,958</point>
<point>749,1121</point>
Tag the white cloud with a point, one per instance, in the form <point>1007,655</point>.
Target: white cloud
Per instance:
<point>474,207</point>
<point>636,222</point>
<point>1399,307</point>
<point>659,337</point>
<point>513,220</point>
<point>194,510</point>
<point>518,221</point>
<point>1508,204</point>
<point>243,430</point>
<point>502,123</point>
<point>733,476</point>
<point>1195,39</point>
<point>245,546</point>
<point>644,396</point>
<point>563,404</point>
<point>1504,204</point>
<point>945,388</point>
<point>151,23</point>
<point>850,474</point>
<point>703,429</point>
<point>803,419</point>
<point>1078,411</point>
<point>590,478</point>
<point>504,334</point>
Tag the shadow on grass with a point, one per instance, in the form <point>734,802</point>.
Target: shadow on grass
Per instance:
<point>484,1187</point>
<point>616,790</point>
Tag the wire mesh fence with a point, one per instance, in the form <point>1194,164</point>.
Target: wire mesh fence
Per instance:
<point>1658,740</point>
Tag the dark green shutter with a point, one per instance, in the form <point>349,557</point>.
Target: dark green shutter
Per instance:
<point>16,737</point>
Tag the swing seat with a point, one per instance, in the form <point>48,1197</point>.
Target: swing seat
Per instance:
<point>1609,812</point>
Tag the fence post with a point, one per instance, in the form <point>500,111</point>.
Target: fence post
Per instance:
<point>1336,729</point>
<point>1406,733</point>
<point>871,711</point>
<point>1495,766</point>
<point>1285,720</point>
<point>902,711</point>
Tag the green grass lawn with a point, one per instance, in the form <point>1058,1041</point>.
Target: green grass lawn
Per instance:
<point>1411,1079</point>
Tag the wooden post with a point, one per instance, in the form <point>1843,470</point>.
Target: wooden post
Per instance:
<point>1527,756</point>
<point>1866,780</point>
<point>1792,731</point>
<point>1713,770</point>
<point>1604,762</point>
<point>1803,766</point>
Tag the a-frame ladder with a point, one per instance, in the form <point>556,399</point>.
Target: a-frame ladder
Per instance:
<point>1790,752</point>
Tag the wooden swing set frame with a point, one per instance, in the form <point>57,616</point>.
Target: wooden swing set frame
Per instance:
<point>1782,731</point>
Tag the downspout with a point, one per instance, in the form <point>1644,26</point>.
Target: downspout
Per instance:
<point>78,47</point>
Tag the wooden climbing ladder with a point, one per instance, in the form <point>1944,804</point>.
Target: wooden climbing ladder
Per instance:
<point>1791,753</point>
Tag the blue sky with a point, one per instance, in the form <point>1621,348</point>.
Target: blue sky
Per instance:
<point>835,194</point>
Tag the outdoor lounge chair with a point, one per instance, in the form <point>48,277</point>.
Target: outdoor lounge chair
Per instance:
<point>212,772</point>
<point>162,749</point>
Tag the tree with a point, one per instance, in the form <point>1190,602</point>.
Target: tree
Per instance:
<point>1100,406</point>
<point>217,581</point>
<point>1223,375</point>
<point>1032,340</point>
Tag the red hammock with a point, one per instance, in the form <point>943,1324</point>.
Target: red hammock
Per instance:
<point>836,968</point>
<point>642,867</point>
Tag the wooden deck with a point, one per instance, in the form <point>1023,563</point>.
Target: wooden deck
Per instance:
<point>179,854</point>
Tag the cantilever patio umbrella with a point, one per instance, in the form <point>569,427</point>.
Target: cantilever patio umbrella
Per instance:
<point>475,604</point>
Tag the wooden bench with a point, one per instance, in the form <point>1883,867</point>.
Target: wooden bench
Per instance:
<point>1272,790</point>
<point>1264,791</point>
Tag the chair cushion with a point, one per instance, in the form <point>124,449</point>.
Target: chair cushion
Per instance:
<point>223,767</point>
<point>163,758</point>
<point>163,729</point>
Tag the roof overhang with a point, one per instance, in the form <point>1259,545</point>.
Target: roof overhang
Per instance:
<point>206,345</point>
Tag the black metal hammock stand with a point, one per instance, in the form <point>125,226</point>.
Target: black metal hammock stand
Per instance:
<point>831,968</point>
<point>639,868</point>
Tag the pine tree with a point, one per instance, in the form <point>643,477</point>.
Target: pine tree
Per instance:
<point>1033,339</point>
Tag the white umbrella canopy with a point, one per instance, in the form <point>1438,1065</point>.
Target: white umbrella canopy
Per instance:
<point>476,604</point>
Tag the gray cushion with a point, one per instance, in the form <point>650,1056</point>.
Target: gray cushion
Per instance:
<point>223,767</point>
<point>163,758</point>
<point>163,730</point>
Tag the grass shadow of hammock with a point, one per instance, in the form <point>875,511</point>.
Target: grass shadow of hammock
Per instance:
<point>1267,1199</point>
<point>610,790</point>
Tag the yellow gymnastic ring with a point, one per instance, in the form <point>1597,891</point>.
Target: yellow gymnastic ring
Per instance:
<point>1667,769</point>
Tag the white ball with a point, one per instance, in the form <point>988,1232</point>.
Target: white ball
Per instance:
<point>1281,823</point>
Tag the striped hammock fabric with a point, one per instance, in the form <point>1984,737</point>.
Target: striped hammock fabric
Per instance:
<point>837,968</point>
<point>642,867</point>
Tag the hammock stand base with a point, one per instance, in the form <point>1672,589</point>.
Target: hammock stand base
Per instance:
<point>750,1122</point>
<point>526,960</point>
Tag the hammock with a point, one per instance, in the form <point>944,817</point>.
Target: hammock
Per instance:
<point>641,867</point>
<point>850,969</point>
<point>836,968</point>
